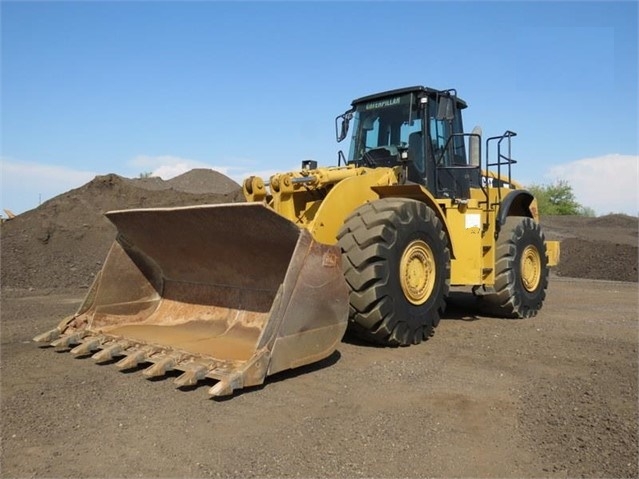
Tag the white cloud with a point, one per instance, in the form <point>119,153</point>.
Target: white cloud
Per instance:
<point>607,184</point>
<point>25,185</point>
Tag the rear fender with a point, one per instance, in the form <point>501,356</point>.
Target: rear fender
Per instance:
<point>523,203</point>
<point>517,203</point>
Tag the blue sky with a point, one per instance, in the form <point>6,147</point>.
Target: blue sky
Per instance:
<point>92,88</point>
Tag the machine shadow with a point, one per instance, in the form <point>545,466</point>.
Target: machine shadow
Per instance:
<point>463,306</point>
<point>283,376</point>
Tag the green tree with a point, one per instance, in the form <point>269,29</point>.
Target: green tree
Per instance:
<point>587,211</point>
<point>558,199</point>
<point>146,174</point>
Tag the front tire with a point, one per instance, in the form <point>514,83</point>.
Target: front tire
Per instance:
<point>396,261</point>
<point>521,270</point>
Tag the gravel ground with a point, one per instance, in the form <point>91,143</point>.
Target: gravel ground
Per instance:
<point>554,396</point>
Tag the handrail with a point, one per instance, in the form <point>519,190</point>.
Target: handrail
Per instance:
<point>507,159</point>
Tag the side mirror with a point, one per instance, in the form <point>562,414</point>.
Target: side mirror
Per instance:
<point>474,146</point>
<point>445,108</point>
<point>342,131</point>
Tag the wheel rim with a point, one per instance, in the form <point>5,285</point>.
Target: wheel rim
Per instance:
<point>417,272</point>
<point>530,268</point>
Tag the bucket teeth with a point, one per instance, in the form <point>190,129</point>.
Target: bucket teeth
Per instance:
<point>132,360</point>
<point>227,385</point>
<point>107,353</point>
<point>47,337</point>
<point>87,347</point>
<point>222,388</point>
<point>160,368</point>
<point>191,377</point>
<point>67,340</point>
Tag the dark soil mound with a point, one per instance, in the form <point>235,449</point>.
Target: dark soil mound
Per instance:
<point>615,221</point>
<point>63,242</point>
<point>596,248</point>
<point>197,181</point>
<point>201,180</point>
<point>620,229</point>
<point>598,260</point>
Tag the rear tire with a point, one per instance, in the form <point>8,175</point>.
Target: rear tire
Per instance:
<point>521,270</point>
<point>396,261</point>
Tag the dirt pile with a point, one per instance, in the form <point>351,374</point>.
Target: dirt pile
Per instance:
<point>596,248</point>
<point>196,181</point>
<point>63,242</point>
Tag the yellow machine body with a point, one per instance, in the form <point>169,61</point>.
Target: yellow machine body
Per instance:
<point>320,200</point>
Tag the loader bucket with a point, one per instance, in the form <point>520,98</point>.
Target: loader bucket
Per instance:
<point>232,292</point>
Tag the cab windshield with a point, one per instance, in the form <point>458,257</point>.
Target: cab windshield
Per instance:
<point>384,123</point>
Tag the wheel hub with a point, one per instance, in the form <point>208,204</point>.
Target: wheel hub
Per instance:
<point>530,268</point>
<point>417,272</point>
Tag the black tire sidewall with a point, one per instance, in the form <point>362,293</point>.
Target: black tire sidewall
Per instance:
<point>403,221</point>
<point>527,233</point>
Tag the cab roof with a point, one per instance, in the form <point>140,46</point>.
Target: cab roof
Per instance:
<point>430,92</point>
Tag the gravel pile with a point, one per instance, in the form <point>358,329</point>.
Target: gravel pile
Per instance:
<point>62,243</point>
<point>596,248</point>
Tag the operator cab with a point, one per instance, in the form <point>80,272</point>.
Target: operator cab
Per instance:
<point>417,127</point>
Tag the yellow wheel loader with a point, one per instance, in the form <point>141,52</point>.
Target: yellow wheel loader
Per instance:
<point>237,292</point>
